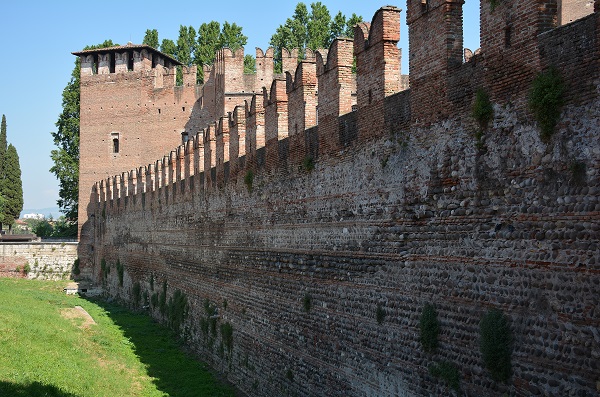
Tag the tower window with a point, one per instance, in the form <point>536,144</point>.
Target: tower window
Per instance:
<point>115,143</point>
<point>184,137</point>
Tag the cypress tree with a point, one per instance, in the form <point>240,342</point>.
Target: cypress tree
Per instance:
<point>13,188</point>
<point>2,161</point>
<point>2,142</point>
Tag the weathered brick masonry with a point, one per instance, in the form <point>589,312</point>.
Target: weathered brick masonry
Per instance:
<point>51,261</point>
<point>404,206</point>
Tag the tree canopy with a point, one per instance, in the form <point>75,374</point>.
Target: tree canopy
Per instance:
<point>211,38</point>
<point>151,38</point>
<point>312,30</point>
<point>12,188</point>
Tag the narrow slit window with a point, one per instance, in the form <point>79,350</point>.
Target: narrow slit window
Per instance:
<point>115,143</point>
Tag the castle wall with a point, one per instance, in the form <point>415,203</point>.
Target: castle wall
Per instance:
<point>143,119</point>
<point>44,261</point>
<point>322,270</point>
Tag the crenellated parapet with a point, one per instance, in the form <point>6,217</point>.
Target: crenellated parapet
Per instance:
<point>122,59</point>
<point>436,50</point>
<point>237,138</point>
<point>222,149</point>
<point>266,122</point>
<point>378,69</point>
<point>264,68</point>
<point>276,119</point>
<point>289,60</point>
<point>255,127</point>
<point>302,97</point>
<point>334,74</point>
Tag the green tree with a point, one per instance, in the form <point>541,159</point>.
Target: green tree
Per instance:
<point>338,26</point>
<point>151,38</point>
<point>66,138</point>
<point>167,46</point>
<point>3,145</point>
<point>232,37</point>
<point>249,64</point>
<point>186,46</point>
<point>319,26</point>
<point>312,30</point>
<point>42,228</point>
<point>208,42</point>
<point>211,38</point>
<point>12,187</point>
<point>351,23</point>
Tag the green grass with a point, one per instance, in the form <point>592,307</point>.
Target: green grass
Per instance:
<point>44,353</point>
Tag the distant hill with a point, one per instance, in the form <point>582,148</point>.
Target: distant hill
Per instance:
<point>54,211</point>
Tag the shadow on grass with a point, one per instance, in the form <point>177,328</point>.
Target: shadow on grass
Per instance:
<point>175,372</point>
<point>35,389</point>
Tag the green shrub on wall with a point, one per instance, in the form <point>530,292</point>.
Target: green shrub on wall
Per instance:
<point>494,4</point>
<point>249,180</point>
<point>447,372</point>
<point>429,328</point>
<point>76,270</point>
<point>120,272</point>
<point>154,300</point>
<point>307,302</point>
<point>177,309</point>
<point>483,111</point>
<point>227,335</point>
<point>104,269</point>
<point>136,291</point>
<point>162,299</point>
<point>495,344</point>
<point>308,163</point>
<point>546,100</point>
<point>380,314</point>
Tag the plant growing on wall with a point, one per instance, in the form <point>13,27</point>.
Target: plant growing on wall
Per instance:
<point>447,372</point>
<point>162,299</point>
<point>546,99</point>
<point>308,163</point>
<point>307,302</point>
<point>578,170</point>
<point>104,269</point>
<point>120,272</point>
<point>429,328</point>
<point>495,344</point>
<point>136,291</point>
<point>177,309</point>
<point>249,180</point>
<point>494,4</point>
<point>76,270</point>
<point>154,300</point>
<point>227,335</point>
<point>483,113</point>
<point>380,314</point>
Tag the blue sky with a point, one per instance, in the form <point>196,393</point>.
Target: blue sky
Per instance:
<point>37,38</point>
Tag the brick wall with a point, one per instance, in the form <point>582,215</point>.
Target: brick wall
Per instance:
<point>421,212</point>
<point>45,261</point>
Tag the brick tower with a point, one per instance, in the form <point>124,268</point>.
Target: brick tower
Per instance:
<point>132,113</point>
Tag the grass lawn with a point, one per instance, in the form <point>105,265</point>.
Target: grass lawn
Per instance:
<point>49,348</point>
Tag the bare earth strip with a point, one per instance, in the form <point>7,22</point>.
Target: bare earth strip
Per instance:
<point>78,312</point>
